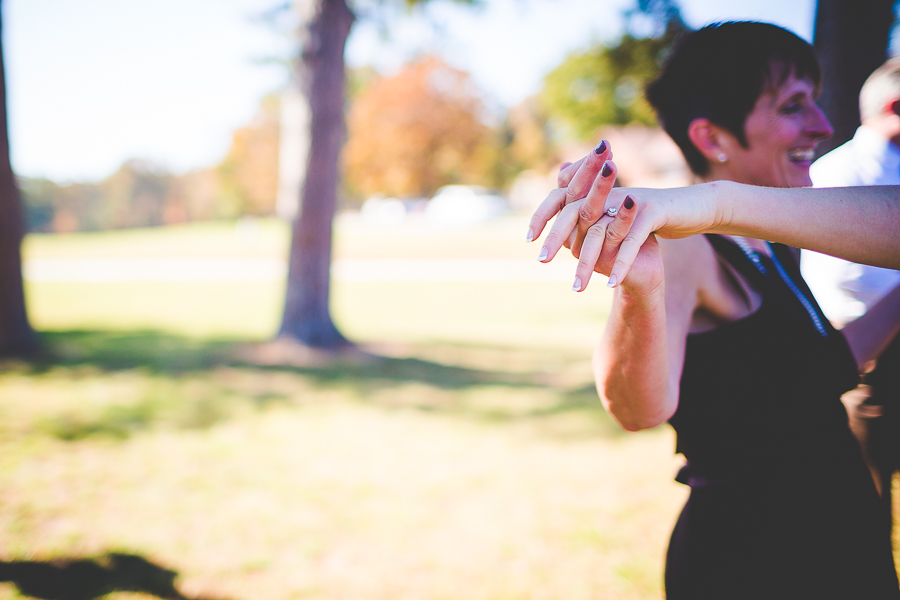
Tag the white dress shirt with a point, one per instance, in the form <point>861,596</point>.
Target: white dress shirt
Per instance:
<point>843,289</point>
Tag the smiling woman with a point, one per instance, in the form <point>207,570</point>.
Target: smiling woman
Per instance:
<point>781,133</point>
<point>719,336</point>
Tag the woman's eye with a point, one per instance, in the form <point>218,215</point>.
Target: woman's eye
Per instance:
<point>791,108</point>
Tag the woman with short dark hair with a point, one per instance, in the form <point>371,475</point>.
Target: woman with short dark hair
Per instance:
<point>719,336</point>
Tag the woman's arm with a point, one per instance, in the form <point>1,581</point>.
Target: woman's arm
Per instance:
<point>638,360</point>
<point>861,224</point>
<point>868,335</point>
<point>631,362</point>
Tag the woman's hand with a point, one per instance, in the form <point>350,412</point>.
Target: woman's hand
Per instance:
<point>592,175</point>
<point>602,246</point>
<point>611,245</point>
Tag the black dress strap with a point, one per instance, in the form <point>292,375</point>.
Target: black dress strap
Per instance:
<point>792,266</point>
<point>735,257</point>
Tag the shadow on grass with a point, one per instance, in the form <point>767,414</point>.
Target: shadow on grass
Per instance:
<point>281,368</point>
<point>83,579</point>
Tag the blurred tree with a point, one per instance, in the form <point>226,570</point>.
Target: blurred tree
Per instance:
<point>16,334</point>
<point>530,146</point>
<point>248,176</point>
<point>39,203</point>
<point>851,39</point>
<point>522,142</point>
<point>51,207</point>
<point>420,129</point>
<point>318,74</point>
<point>143,194</point>
<point>134,196</point>
<point>359,80</point>
<point>604,85</point>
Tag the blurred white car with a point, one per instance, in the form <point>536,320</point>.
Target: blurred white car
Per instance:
<point>383,211</point>
<point>465,205</point>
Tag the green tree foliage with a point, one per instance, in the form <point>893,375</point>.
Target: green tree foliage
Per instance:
<point>139,194</point>
<point>604,85</point>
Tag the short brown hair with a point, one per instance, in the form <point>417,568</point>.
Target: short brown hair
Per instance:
<point>719,72</point>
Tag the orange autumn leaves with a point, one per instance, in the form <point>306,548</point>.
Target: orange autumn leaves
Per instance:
<point>412,133</point>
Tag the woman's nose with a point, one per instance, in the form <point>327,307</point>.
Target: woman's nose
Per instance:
<point>817,125</point>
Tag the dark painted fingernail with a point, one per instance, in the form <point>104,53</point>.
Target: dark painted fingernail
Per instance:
<point>629,202</point>
<point>601,148</point>
<point>606,171</point>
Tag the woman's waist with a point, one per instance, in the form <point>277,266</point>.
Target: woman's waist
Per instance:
<point>804,456</point>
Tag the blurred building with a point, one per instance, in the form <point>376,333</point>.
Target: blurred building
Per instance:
<point>644,156</point>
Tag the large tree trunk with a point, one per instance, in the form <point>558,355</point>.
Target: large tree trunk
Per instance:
<point>851,39</point>
<point>16,335</point>
<point>320,75</point>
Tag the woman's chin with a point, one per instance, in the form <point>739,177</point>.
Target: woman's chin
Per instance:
<point>801,173</point>
<point>797,175</point>
<point>802,181</point>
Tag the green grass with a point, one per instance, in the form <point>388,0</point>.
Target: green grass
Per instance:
<point>460,453</point>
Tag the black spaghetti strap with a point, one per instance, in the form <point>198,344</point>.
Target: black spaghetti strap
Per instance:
<point>792,268</point>
<point>787,259</point>
<point>732,253</point>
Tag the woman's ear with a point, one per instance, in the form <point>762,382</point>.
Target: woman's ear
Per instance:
<point>708,139</point>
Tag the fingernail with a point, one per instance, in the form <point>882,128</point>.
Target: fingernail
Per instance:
<point>629,203</point>
<point>543,255</point>
<point>601,148</point>
<point>612,281</point>
<point>606,171</point>
<point>576,287</point>
<point>530,235</point>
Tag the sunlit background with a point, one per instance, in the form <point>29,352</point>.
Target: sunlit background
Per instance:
<point>165,445</point>
<point>97,82</point>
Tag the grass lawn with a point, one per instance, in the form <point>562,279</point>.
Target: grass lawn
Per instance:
<point>164,442</point>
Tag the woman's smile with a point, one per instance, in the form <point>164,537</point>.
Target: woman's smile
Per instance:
<point>782,132</point>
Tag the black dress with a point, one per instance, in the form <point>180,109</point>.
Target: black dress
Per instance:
<point>781,503</point>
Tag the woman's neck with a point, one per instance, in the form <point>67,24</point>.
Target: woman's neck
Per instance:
<point>758,246</point>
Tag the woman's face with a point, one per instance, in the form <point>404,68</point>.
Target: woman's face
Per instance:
<point>782,132</point>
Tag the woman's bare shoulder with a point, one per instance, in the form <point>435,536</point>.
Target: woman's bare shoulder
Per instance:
<point>689,258</point>
<point>715,290</point>
<point>687,263</point>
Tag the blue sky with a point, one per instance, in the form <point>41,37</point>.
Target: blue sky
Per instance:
<point>92,83</point>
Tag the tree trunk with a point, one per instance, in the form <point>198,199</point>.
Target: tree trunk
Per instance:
<point>851,39</point>
<point>16,335</point>
<point>320,75</point>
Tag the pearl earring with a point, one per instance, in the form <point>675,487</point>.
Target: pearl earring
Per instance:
<point>721,157</point>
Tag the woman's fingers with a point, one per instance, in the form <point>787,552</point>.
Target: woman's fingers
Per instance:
<point>618,229</point>
<point>590,253</point>
<point>601,244</point>
<point>552,204</point>
<point>610,245</point>
<point>574,182</point>
<point>595,203</point>
<point>562,228</point>
<point>640,231</point>
<point>582,181</point>
<point>565,173</point>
